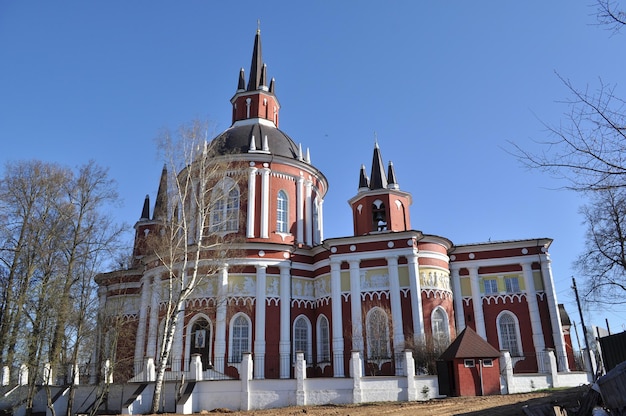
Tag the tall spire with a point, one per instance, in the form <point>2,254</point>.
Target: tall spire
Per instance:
<point>256,66</point>
<point>160,205</point>
<point>378,179</point>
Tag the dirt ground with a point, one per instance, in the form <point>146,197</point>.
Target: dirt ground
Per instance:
<point>505,405</point>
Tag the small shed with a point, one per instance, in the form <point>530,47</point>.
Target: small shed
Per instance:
<point>470,366</point>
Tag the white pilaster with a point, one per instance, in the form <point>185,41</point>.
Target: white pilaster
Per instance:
<point>335,294</point>
<point>259,324</point>
<point>220,317</point>
<point>284,346</point>
<point>355,306</point>
<point>533,309</point>
<point>557,328</point>
<point>300,210</point>
<point>265,201</point>
<point>417,313</point>
<point>477,301</point>
<point>396,306</point>
<point>140,342</point>
<point>308,204</point>
<point>320,219</point>
<point>251,201</point>
<point>458,299</point>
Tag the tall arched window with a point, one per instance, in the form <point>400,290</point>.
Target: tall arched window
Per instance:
<point>240,328</point>
<point>323,340</point>
<point>302,338</point>
<point>282,213</point>
<point>439,324</point>
<point>508,333</point>
<point>377,326</point>
<point>224,210</point>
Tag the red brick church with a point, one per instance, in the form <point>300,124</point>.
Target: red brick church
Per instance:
<point>386,286</point>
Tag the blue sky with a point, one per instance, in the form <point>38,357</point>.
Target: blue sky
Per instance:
<point>443,85</point>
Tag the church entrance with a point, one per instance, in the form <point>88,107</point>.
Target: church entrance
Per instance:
<point>201,336</point>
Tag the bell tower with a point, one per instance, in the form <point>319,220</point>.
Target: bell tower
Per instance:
<point>380,206</point>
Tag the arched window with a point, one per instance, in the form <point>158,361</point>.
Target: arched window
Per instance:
<point>200,334</point>
<point>282,213</point>
<point>224,212</point>
<point>377,326</point>
<point>302,338</point>
<point>323,340</point>
<point>439,324</point>
<point>240,335</point>
<point>508,333</point>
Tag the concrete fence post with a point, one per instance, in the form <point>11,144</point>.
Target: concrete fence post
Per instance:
<point>246,377</point>
<point>23,377</point>
<point>149,370</point>
<point>6,375</point>
<point>506,367</point>
<point>409,370</point>
<point>554,369</point>
<point>355,371</point>
<point>196,367</point>
<point>300,377</point>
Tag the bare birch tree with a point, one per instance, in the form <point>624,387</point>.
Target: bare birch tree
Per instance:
<point>199,231</point>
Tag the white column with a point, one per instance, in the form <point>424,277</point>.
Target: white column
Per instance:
<point>220,318</point>
<point>533,309</point>
<point>153,327</point>
<point>251,201</point>
<point>417,313</point>
<point>308,223</point>
<point>396,306</point>
<point>259,322</point>
<point>265,201</point>
<point>355,306</point>
<point>458,299</point>
<point>300,210</point>
<point>477,301</point>
<point>284,346</point>
<point>555,317</point>
<point>335,295</point>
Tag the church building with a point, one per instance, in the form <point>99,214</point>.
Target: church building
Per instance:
<point>383,289</point>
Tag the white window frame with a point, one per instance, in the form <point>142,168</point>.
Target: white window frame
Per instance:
<point>487,362</point>
<point>512,284</point>
<point>491,286</point>
<point>469,363</point>
<point>224,212</point>
<point>235,356</point>
<point>376,345</point>
<point>446,326</point>
<point>297,346</point>
<point>323,340</point>
<point>282,210</point>
<point>506,344</point>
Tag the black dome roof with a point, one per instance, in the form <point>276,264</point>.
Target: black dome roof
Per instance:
<point>237,140</point>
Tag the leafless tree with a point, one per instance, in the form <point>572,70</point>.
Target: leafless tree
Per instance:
<point>199,231</point>
<point>588,151</point>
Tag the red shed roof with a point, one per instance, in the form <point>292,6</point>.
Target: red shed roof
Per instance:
<point>468,344</point>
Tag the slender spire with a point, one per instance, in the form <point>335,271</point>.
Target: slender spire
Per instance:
<point>257,63</point>
<point>242,80</point>
<point>364,182</point>
<point>160,205</point>
<point>263,82</point>
<point>145,212</point>
<point>391,177</point>
<point>378,179</point>
<point>272,82</point>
